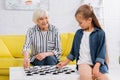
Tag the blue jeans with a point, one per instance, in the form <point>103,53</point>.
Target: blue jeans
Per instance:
<point>50,60</point>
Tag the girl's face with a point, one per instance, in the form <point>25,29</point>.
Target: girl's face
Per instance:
<point>83,23</point>
<point>43,22</point>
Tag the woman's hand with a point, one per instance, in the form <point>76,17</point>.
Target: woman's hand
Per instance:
<point>41,56</point>
<point>26,63</point>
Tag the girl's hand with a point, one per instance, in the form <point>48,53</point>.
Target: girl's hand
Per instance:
<point>61,64</point>
<point>96,72</point>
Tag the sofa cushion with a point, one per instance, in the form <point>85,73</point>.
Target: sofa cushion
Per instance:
<point>9,62</point>
<point>64,38</point>
<point>4,71</point>
<point>69,43</point>
<point>3,77</point>
<point>14,44</point>
<point>4,52</point>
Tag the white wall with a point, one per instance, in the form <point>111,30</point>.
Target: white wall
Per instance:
<point>14,22</point>
<point>17,22</point>
<point>112,28</point>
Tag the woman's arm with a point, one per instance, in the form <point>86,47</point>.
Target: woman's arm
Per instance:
<point>57,49</point>
<point>26,62</point>
<point>27,44</point>
<point>26,49</point>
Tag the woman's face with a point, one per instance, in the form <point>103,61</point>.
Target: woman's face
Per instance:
<point>43,22</point>
<point>83,23</point>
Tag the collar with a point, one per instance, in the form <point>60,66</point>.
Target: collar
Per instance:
<point>95,29</point>
<point>49,27</point>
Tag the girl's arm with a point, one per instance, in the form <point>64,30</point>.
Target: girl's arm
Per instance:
<point>107,56</point>
<point>101,50</point>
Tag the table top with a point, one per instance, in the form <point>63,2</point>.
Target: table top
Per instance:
<point>18,73</point>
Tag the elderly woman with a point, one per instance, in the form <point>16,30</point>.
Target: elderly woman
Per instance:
<point>43,41</point>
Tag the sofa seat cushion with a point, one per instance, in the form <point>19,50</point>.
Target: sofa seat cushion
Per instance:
<point>8,62</point>
<point>4,71</point>
<point>2,77</point>
<point>14,43</point>
<point>4,52</point>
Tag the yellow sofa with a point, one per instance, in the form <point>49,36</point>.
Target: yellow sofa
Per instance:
<point>11,51</point>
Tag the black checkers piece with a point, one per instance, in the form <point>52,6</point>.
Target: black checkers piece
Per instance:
<point>47,72</point>
<point>60,71</point>
<point>35,72</point>
<point>55,73</point>
<point>72,70</point>
<point>42,73</point>
<point>68,72</point>
<point>29,74</point>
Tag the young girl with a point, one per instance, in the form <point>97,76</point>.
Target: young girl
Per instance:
<point>89,46</point>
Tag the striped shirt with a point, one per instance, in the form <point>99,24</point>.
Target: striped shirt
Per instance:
<point>38,41</point>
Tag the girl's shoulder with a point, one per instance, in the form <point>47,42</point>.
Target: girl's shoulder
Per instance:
<point>79,31</point>
<point>99,31</point>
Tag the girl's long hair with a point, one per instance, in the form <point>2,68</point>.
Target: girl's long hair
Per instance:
<point>87,12</point>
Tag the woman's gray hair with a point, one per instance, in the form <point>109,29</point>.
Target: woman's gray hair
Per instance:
<point>38,13</point>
